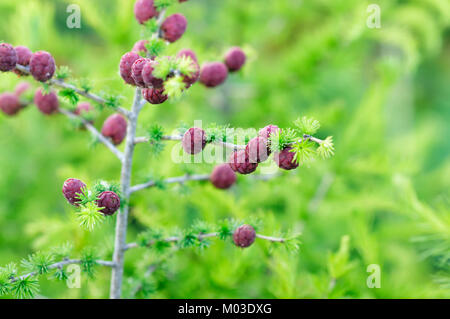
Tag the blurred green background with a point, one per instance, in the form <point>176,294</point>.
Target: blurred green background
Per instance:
<point>382,93</point>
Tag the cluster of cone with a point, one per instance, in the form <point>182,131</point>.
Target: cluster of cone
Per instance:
<point>243,161</point>
<point>138,71</point>
<point>108,201</point>
<point>41,63</point>
<point>42,67</point>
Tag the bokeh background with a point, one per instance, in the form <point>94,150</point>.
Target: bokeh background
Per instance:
<point>383,199</point>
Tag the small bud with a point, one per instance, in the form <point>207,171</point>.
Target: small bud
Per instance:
<point>223,176</point>
<point>8,57</point>
<point>173,27</point>
<point>72,188</point>
<point>285,159</point>
<point>46,103</point>
<point>194,140</point>
<point>115,127</point>
<point>244,236</point>
<point>213,74</point>
<point>110,201</point>
<point>42,66</point>
<point>235,59</point>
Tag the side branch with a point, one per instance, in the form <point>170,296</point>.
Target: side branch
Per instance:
<point>144,139</point>
<point>200,237</point>
<point>187,177</point>
<point>64,85</point>
<point>308,137</point>
<point>62,264</point>
<point>171,180</point>
<point>94,132</point>
<point>159,21</point>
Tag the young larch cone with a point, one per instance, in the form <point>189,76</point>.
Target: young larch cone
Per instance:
<point>154,96</point>
<point>223,176</point>
<point>110,202</point>
<point>144,10</point>
<point>285,159</point>
<point>46,103</point>
<point>194,140</point>
<point>8,57</point>
<point>235,59</point>
<point>257,149</point>
<point>213,74</point>
<point>115,127</point>
<point>125,66</point>
<point>72,189</point>
<point>244,236</point>
<point>173,27</point>
<point>42,66</point>
<point>240,162</point>
<point>9,103</point>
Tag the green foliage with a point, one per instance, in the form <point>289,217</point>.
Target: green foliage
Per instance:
<point>192,237</point>
<point>38,263</point>
<point>326,148</point>
<point>185,65</point>
<point>25,288</point>
<point>226,228</point>
<point>215,132</point>
<point>338,263</point>
<point>70,95</point>
<point>174,87</point>
<point>304,151</point>
<point>111,100</point>
<point>10,270</point>
<point>300,139</point>
<point>163,66</point>
<point>46,88</point>
<point>89,261</point>
<point>306,125</point>
<point>382,94</point>
<point>89,215</point>
<point>292,242</point>
<point>282,139</point>
<point>85,85</point>
<point>63,72</point>
<point>155,134</point>
<point>151,26</point>
<point>5,283</point>
<point>42,263</point>
<point>154,47</point>
<point>163,4</point>
<point>103,186</point>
